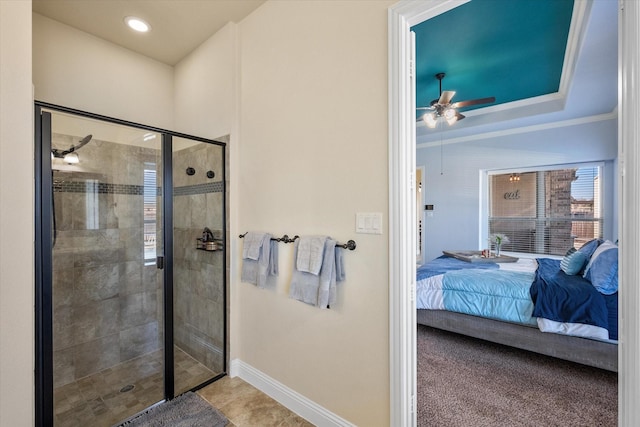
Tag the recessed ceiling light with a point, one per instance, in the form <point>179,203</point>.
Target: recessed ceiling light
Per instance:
<point>137,24</point>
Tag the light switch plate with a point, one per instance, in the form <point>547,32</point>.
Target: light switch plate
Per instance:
<point>369,223</point>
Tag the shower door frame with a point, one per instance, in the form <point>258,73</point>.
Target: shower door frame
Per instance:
<point>43,248</point>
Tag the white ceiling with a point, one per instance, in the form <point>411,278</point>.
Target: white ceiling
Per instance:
<point>178,26</point>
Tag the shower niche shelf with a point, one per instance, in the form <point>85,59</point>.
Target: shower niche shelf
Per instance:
<point>209,245</point>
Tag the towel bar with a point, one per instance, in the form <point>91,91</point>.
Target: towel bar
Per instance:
<point>351,244</point>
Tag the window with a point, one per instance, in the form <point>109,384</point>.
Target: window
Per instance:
<point>150,195</point>
<point>546,211</point>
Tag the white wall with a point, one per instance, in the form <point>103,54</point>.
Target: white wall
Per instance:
<point>313,152</point>
<point>455,193</point>
<point>205,87</point>
<point>77,70</point>
<point>16,216</point>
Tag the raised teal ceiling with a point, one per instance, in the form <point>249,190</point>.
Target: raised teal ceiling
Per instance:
<point>509,49</point>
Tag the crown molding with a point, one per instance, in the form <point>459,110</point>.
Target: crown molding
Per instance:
<point>524,129</point>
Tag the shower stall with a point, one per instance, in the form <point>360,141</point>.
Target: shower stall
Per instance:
<point>131,266</point>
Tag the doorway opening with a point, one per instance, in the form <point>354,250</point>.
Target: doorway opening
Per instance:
<point>402,210</point>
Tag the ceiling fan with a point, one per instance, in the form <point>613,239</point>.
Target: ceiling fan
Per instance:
<point>443,107</point>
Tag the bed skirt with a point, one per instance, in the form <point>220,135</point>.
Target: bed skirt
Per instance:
<point>599,354</point>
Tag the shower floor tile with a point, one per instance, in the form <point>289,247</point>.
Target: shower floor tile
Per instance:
<point>97,400</point>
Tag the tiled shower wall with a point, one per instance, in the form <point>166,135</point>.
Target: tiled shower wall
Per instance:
<point>199,275</point>
<point>107,302</point>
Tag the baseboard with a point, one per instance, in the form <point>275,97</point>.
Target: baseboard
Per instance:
<point>292,400</point>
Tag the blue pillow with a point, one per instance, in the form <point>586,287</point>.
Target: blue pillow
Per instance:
<point>590,247</point>
<point>602,269</point>
<point>572,264</point>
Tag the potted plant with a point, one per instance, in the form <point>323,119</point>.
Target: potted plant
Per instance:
<point>498,239</point>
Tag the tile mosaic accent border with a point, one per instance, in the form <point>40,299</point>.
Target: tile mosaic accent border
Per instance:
<point>89,186</point>
<point>209,187</point>
<point>94,186</point>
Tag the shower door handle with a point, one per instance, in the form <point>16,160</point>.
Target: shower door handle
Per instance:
<point>160,262</point>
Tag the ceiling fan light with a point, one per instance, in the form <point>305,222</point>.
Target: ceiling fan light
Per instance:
<point>449,114</point>
<point>71,158</point>
<point>451,120</point>
<point>430,120</point>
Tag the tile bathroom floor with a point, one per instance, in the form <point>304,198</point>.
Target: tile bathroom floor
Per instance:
<point>97,400</point>
<point>246,406</point>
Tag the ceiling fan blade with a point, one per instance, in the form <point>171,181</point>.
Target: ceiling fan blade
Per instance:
<point>473,102</point>
<point>460,116</point>
<point>424,108</point>
<point>446,97</point>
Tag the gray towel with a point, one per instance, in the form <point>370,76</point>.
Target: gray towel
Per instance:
<point>310,254</point>
<point>262,272</point>
<point>318,290</point>
<point>340,273</point>
<point>252,244</point>
<point>272,269</point>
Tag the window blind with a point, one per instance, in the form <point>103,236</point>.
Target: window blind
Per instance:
<point>546,211</point>
<point>150,196</point>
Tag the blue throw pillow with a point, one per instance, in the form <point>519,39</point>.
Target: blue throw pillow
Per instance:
<point>602,269</point>
<point>572,264</point>
<point>590,247</point>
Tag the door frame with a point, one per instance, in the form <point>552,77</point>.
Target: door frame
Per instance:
<point>402,147</point>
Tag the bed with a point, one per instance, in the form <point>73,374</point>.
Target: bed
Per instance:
<point>539,304</point>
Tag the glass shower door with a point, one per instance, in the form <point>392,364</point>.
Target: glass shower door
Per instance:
<point>131,266</point>
<point>198,262</point>
<point>106,289</point>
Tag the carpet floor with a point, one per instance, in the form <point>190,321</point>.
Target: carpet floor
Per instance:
<point>464,381</point>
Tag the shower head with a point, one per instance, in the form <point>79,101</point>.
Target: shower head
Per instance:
<point>62,153</point>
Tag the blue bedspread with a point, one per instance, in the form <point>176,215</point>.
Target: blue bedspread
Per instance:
<point>495,294</point>
<point>479,289</point>
<point>612,307</point>
<point>570,299</point>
